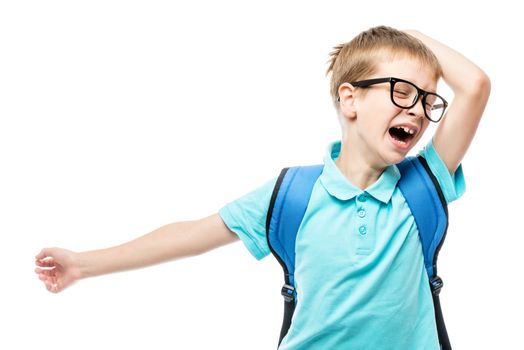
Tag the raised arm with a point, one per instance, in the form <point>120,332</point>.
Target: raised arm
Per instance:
<point>471,87</point>
<point>58,268</point>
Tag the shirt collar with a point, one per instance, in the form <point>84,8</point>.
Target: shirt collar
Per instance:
<point>338,186</point>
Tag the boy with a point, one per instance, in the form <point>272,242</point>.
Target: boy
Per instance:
<point>360,277</point>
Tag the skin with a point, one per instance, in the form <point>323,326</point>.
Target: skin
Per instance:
<point>366,151</point>
<point>59,268</point>
<point>367,146</point>
<point>471,87</point>
<point>366,118</point>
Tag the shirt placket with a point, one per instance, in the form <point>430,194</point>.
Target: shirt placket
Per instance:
<point>364,228</point>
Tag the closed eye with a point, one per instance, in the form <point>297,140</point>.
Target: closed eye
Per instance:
<point>401,94</point>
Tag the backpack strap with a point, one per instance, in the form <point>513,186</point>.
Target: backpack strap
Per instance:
<point>289,202</point>
<point>426,201</point>
<point>429,208</point>
<point>287,208</point>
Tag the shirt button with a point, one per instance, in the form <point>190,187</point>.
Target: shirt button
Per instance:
<point>362,198</point>
<point>361,213</point>
<point>362,230</point>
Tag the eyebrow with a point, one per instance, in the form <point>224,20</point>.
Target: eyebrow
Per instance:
<point>428,90</point>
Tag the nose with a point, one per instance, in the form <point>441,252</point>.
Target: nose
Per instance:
<point>418,108</point>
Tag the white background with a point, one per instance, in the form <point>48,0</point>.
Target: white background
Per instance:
<point>117,117</point>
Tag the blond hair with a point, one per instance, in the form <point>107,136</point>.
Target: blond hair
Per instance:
<point>359,58</point>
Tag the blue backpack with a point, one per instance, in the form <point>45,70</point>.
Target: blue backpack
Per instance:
<point>288,205</point>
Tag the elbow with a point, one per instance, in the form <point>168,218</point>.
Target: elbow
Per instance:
<point>477,87</point>
<point>483,84</point>
<point>480,85</point>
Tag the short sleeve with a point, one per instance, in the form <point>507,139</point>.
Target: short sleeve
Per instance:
<point>246,217</point>
<point>453,186</point>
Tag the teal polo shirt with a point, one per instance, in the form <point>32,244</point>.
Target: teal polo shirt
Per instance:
<point>359,273</point>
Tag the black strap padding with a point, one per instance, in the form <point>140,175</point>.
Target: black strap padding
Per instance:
<point>289,309</point>
<point>441,327</point>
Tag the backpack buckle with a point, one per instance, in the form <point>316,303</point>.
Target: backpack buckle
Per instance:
<point>288,292</point>
<point>436,284</point>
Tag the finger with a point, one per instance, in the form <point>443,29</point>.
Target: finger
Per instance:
<point>49,262</point>
<point>52,286</point>
<point>44,276</point>
<point>48,285</point>
<point>46,272</point>
<point>44,253</point>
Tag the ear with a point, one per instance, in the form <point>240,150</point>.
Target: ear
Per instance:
<point>346,93</point>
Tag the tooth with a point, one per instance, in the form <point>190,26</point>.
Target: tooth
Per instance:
<point>411,131</point>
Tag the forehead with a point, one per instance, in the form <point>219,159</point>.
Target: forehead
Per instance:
<point>408,69</point>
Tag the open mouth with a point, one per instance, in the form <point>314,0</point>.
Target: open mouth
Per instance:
<point>402,134</point>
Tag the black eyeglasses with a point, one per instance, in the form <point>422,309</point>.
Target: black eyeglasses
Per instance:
<point>405,94</point>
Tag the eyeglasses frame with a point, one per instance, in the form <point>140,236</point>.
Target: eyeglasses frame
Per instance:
<point>393,81</point>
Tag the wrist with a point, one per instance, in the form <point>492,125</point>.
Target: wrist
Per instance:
<point>84,267</point>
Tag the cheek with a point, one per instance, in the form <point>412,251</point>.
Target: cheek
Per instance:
<point>381,108</point>
<point>425,125</point>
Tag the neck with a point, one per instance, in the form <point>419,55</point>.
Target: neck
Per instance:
<point>355,168</point>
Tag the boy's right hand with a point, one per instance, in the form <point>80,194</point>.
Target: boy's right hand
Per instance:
<point>57,268</point>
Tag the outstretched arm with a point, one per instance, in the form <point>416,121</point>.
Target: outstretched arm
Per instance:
<point>471,87</point>
<point>58,268</point>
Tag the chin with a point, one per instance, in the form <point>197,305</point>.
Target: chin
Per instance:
<point>395,153</point>
<point>394,157</point>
